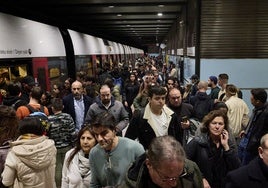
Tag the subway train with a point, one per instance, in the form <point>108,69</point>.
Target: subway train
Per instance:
<point>51,53</point>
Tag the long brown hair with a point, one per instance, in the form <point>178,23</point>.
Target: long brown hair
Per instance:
<point>8,124</point>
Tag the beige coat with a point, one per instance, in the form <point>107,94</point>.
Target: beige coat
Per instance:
<point>31,164</point>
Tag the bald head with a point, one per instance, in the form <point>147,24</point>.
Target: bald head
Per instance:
<point>77,89</point>
<point>174,97</point>
<point>202,85</point>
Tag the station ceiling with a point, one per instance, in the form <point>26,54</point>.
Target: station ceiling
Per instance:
<point>131,22</point>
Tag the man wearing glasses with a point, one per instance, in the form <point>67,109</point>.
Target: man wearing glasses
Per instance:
<point>164,165</point>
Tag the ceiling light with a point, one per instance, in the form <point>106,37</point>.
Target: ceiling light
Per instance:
<point>111,6</point>
<point>159,14</point>
<point>161,5</point>
<point>119,15</point>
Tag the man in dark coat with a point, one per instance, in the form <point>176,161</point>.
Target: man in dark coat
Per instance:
<point>255,174</point>
<point>76,104</point>
<point>256,128</point>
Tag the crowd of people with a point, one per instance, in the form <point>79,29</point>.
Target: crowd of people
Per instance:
<point>133,128</point>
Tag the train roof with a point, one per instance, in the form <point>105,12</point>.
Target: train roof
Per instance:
<point>130,22</point>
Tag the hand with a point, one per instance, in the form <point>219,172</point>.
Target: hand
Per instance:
<point>205,183</point>
<point>126,104</point>
<point>224,139</point>
<point>242,134</point>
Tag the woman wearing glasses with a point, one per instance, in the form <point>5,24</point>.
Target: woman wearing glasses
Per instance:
<point>164,165</point>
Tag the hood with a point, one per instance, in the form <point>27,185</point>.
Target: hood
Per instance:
<point>36,153</point>
<point>135,171</point>
<point>202,96</point>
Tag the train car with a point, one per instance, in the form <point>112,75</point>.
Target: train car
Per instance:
<point>93,53</point>
<point>26,49</point>
<point>51,54</point>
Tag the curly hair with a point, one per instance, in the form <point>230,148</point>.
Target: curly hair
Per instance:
<point>211,116</point>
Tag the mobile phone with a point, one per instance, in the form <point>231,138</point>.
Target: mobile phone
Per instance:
<point>223,136</point>
<point>184,119</point>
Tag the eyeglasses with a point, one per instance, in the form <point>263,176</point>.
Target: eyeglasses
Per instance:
<point>165,179</point>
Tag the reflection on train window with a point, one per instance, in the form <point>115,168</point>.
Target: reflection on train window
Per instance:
<point>54,72</point>
<point>12,73</point>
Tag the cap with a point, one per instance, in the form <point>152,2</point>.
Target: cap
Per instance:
<point>214,79</point>
<point>194,77</point>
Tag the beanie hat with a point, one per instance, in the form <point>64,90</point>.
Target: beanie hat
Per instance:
<point>213,79</point>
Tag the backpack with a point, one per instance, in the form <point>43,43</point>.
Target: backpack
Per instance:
<point>41,115</point>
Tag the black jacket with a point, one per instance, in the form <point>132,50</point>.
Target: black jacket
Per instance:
<point>255,175</point>
<point>214,163</point>
<point>259,124</point>
<point>141,129</point>
<point>202,104</point>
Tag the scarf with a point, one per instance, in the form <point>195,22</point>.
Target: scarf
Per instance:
<point>83,164</point>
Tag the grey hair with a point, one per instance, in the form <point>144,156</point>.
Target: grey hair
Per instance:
<point>165,148</point>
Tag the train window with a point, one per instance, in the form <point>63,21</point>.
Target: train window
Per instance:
<point>13,72</point>
<point>85,64</point>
